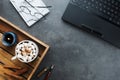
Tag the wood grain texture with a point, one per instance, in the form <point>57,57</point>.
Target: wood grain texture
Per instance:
<point>8,52</point>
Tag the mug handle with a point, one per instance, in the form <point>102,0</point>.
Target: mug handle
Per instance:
<point>14,57</point>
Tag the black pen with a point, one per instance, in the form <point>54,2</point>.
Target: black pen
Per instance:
<point>43,6</point>
<point>37,6</point>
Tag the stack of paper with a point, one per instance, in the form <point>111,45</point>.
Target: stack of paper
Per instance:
<point>30,10</point>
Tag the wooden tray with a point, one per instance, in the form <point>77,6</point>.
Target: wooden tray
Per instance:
<point>6,53</point>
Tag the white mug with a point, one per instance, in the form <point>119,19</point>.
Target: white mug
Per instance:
<point>26,51</point>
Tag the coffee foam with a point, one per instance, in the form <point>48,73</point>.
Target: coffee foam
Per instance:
<point>26,51</point>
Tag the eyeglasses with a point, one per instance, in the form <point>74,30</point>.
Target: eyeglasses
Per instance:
<point>29,9</point>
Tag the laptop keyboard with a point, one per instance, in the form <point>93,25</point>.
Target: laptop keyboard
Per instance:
<point>107,9</point>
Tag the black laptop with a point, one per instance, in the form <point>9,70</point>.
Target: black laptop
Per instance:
<point>100,17</point>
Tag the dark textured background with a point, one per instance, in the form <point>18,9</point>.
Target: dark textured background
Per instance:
<point>76,54</point>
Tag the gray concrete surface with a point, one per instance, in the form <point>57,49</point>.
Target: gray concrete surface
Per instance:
<point>76,54</point>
